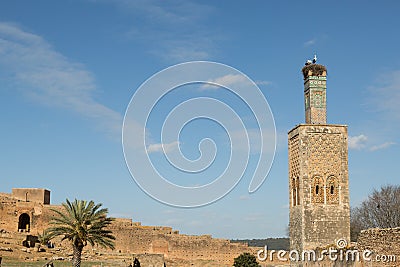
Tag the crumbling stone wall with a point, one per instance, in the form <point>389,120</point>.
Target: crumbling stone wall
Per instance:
<point>385,243</point>
<point>135,238</point>
<point>8,215</point>
<point>131,237</point>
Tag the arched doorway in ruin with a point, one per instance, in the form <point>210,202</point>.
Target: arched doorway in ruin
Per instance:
<point>24,222</point>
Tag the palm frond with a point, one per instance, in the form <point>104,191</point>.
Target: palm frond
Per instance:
<point>82,222</point>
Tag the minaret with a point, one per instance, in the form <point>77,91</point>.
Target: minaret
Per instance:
<point>315,93</point>
<point>318,172</point>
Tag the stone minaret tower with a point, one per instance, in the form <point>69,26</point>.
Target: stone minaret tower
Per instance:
<point>318,172</point>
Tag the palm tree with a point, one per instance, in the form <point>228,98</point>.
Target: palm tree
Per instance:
<point>82,222</point>
<point>43,239</point>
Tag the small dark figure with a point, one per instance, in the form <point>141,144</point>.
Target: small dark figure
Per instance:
<point>136,263</point>
<point>1,258</point>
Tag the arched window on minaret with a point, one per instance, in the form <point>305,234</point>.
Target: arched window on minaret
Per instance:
<point>332,194</point>
<point>297,191</point>
<point>318,190</point>
<point>293,186</point>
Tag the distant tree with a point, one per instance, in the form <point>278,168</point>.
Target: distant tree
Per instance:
<point>246,260</point>
<point>355,224</point>
<point>380,210</point>
<point>82,222</point>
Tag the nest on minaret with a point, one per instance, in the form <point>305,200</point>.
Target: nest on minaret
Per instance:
<point>313,70</point>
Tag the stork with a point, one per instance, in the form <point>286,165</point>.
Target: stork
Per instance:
<point>314,59</point>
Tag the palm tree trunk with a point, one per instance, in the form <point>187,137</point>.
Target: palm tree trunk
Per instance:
<point>77,254</point>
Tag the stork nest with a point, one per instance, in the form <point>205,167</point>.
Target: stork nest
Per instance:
<point>316,70</point>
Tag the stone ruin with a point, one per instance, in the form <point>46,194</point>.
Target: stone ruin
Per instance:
<point>27,211</point>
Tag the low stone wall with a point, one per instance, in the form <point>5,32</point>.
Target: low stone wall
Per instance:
<point>135,238</point>
<point>385,244</point>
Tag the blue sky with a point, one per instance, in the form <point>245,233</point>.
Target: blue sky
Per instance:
<point>69,69</point>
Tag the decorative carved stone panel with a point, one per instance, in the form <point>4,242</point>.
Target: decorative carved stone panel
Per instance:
<point>332,190</point>
<point>318,190</point>
<point>324,154</point>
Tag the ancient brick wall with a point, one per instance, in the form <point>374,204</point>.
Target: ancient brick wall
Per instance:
<point>205,248</point>
<point>135,238</point>
<point>8,216</point>
<point>385,244</point>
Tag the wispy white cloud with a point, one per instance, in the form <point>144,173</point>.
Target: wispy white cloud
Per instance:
<point>173,31</point>
<point>386,96</point>
<point>383,100</point>
<point>382,146</point>
<point>244,197</point>
<point>357,142</point>
<point>316,40</point>
<point>48,77</point>
<point>360,143</point>
<point>310,42</point>
<point>227,81</point>
<point>163,148</point>
<point>230,80</point>
<point>263,82</point>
